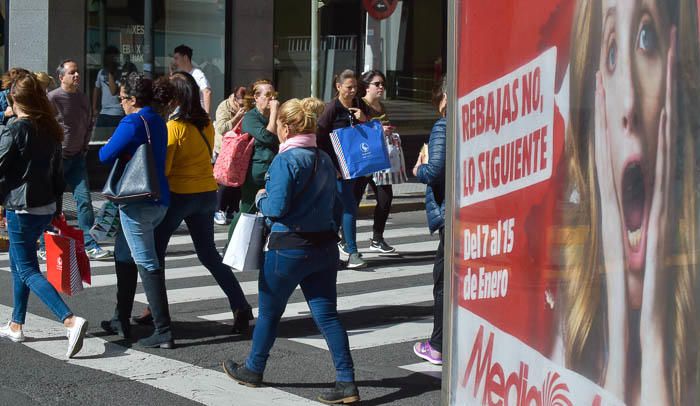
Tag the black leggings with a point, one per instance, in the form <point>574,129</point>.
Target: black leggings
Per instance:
<point>227,199</point>
<point>384,195</point>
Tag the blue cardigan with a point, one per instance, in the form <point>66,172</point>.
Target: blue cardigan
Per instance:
<point>130,134</point>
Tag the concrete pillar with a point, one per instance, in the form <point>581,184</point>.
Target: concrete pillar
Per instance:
<point>43,32</point>
<point>252,41</point>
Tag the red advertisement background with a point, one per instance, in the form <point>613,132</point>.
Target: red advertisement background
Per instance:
<point>488,49</point>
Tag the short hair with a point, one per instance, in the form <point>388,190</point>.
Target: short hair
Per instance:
<point>301,115</point>
<point>61,69</point>
<point>366,78</point>
<point>138,86</point>
<point>184,50</point>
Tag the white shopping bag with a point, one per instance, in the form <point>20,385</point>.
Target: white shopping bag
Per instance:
<point>245,250</point>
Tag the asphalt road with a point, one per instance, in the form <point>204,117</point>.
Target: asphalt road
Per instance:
<point>385,308</point>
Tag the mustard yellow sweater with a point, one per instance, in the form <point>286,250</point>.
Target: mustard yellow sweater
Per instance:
<point>188,160</point>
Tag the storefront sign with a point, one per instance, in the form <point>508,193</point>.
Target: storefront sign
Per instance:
<point>575,246</point>
<point>380,9</point>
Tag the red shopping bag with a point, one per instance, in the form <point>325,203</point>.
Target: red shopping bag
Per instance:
<point>67,264</point>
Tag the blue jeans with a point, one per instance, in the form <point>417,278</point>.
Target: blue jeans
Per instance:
<point>315,270</point>
<point>135,242</point>
<point>197,210</point>
<point>23,230</point>
<point>345,212</point>
<point>75,175</point>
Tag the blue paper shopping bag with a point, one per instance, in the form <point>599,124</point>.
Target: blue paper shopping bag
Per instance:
<point>361,149</point>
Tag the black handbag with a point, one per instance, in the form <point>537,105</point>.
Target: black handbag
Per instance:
<point>136,179</point>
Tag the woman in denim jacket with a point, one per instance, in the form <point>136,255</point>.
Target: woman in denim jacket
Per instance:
<point>298,201</point>
<point>431,171</point>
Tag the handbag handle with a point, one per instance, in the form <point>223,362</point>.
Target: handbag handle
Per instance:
<point>205,141</point>
<point>148,130</point>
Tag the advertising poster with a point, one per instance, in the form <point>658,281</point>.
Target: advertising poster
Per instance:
<point>575,222</point>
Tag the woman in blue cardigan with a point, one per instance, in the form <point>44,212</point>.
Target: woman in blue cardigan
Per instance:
<point>135,248</point>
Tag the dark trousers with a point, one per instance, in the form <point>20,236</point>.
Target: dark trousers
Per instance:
<point>438,288</point>
<point>197,209</point>
<point>228,199</point>
<point>384,195</point>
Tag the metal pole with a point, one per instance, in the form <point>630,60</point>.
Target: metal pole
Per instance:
<point>449,375</point>
<point>148,38</point>
<point>314,48</point>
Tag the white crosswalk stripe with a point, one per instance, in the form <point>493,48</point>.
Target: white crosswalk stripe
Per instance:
<point>412,267</point>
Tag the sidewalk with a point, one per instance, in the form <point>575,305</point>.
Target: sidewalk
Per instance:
<point>407,197</point>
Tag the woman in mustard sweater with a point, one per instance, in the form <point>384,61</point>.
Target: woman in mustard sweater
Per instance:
<point>193,191</point>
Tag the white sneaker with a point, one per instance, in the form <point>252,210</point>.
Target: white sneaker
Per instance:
<point>220,218</point>
<point>98,253</point>
<point>76,334</point>
<point>7,332</point>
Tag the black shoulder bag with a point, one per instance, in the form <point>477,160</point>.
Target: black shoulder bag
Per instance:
<point>136,179</point>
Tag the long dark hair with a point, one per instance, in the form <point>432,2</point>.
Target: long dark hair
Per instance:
<point>27,94</point>
<point>186,95</point>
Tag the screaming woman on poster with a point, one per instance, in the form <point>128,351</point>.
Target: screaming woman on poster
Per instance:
<point>629,319</point>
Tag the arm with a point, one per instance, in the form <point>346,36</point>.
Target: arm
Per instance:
<point>113,88</point>
<point>434,171</point>
<point>206,99</point>
<point>96,94</point>
<point>8,152</point>
<point>258,130</point>
<point>174,135</point>
<point>90,125</point>
<point>275,201</point>
<point>224,118</point>
<point>123,136</point>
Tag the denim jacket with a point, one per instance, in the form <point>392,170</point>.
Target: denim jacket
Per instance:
<point>286,180</point>
<point>433,175</point>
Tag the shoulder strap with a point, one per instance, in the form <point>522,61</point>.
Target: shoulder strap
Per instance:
<point>205,140</point>
<point>148,130</point>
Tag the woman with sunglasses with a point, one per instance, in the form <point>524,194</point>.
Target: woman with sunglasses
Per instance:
<point>134,247</point>
<point>374,84</point>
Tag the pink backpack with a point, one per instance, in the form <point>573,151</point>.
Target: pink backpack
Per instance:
<point>232,163</point>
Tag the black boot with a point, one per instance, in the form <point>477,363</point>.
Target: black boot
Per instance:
<point>241,321</point>
<point>127,274</point>
<point>154,286</point>
<point>344,392</point>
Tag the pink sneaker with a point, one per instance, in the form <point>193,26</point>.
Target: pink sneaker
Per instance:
<point>425,351</point>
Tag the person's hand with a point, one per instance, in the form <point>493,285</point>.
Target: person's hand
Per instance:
<point>359,114</point>
<point>233,105</point>
<point>9,112</point>
<point>651,324</point>
<point>613,251</point>
<point>274,104</point>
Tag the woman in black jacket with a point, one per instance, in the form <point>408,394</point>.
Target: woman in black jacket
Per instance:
<point>31,186</point>
<point>344,110</point>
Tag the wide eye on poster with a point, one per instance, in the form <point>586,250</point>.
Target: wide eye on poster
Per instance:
<point>575,222</point>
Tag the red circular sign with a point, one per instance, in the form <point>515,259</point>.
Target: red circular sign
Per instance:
<point>380,9</point>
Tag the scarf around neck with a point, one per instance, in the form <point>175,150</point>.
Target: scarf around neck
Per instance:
<point>299,141</point>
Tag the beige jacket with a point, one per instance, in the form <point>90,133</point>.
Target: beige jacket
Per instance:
<point>223,123</point>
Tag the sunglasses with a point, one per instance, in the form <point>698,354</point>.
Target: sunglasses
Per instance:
<point>377,84</point>
<point>122,98</point>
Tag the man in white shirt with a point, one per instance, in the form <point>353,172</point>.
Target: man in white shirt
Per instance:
<point>182,58</point>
